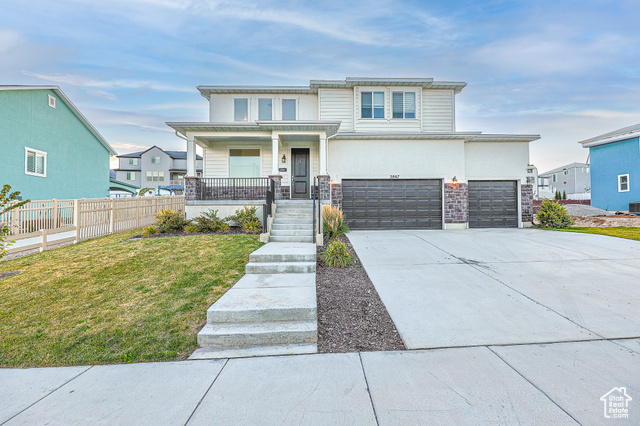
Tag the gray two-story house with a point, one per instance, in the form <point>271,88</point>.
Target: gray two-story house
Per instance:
<point>574,179</point>
<point>155,168</point>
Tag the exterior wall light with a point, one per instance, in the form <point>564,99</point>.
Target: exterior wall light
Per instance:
<point>284,158</point>
<point>454,182</point>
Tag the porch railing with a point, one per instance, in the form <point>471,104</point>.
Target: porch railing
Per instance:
<point>232,188</point>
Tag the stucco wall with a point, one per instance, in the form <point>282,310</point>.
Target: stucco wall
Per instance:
<point>77,163</point>
<point>609,161</point>
<point>496,161</point>
<point>406,159</point>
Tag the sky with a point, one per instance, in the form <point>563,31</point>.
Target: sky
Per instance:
<point>566,70</point>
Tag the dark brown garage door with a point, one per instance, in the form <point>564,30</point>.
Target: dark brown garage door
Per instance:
<point>392,203</point>
<point>493,204</point>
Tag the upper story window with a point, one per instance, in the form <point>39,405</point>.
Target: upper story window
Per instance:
<point>288,109</point>
<point>554,177</point>
<point>133,161</point>
<point>265,109</point>
<point>404,104</point>
<point>241,109</point>
<point>565,171</point>
<point>155,160</point>
<point>623,183</point>
<point>131,175</point>
<point>586,169</point>
<point>372,105</point>
<point>35,162</point>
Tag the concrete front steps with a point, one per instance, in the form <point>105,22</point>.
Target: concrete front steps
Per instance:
<point>270,311</point>
<point>293,222</point>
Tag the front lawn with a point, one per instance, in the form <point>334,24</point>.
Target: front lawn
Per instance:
<point>620,232</point>
<point>113,301</point>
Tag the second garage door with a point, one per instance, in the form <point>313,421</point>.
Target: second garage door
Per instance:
<point>493,204</point>
<point>392,203</point>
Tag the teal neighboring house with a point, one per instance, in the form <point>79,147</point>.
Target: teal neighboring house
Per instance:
<point>48,149</point>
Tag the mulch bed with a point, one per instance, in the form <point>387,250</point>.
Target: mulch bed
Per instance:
<point>231,231</point>
<point>351,316</point>
<point>8,274</point>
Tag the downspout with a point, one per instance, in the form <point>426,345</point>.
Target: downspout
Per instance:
<point>330,181</point>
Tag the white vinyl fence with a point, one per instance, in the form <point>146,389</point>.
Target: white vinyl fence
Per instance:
<point>39,224</point>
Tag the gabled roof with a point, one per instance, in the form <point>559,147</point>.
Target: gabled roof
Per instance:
<point>349,82</point>
<point>567,167</point>
<point>71,107</point>
<point>624,133</point>
<point>176,155</point>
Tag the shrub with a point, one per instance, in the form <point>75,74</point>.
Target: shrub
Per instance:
<point>564,195</point>
<point>337,254</point>
<point>190,229</point>
<point>210,222</point>
<point>333,225</point>
<point>149,231</point>
<point>246,218</point>
<point>7,199</point>
<point>169,221</point>
<point>553,215</point>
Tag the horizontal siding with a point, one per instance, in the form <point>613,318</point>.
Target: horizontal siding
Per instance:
<point>438,111</point>
<point>383,125</point>
<point>337,105</point>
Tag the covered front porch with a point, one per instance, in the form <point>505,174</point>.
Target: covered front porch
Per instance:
<point>243,161</point>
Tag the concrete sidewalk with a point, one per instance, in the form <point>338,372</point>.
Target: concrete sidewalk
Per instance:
<point>559,383</point>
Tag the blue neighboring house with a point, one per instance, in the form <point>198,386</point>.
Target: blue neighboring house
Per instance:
<point>48,149</point>
<point>615,168</point>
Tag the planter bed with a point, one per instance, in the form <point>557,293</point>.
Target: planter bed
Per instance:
<point>351,316</point>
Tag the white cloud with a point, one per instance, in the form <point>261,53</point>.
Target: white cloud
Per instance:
<point>103,85</point>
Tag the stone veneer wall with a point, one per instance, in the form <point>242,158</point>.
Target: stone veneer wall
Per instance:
<point>286,192</point>
<point>526,198</point>
<point>323,187</point>
<point>456,203</point>
<point>277,186</point>
<point>336,195</point>
<point>190,188</point>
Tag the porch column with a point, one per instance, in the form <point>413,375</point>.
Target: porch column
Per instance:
<point>274,152</point>
<point>323,155</point>
<point>191,156</point>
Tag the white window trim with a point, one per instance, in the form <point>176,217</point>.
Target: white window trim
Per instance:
<point>26,154</point>
<point>229,148</point>
<point>273,108</point>
<point>620,183</point>
<point>384,104</point>
<point>248,110</point>
<point>131,176</point>
<point>296,100</point>
<point>52,101</point>
<point>415,106</point>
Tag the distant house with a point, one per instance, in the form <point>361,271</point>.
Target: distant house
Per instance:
<point>49,149</point>
<point>615,168</point>
<point>155,168</point>
<point>573,179</point>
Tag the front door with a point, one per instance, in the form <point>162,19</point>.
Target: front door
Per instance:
<point>300,173</point>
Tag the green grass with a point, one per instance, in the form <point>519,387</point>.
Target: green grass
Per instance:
<point>109,301</point>
<point>629,233</point>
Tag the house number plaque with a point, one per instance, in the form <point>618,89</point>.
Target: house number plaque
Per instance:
<point>282,169</point>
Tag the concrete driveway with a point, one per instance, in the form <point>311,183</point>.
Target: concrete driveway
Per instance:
<point>501,287</point>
